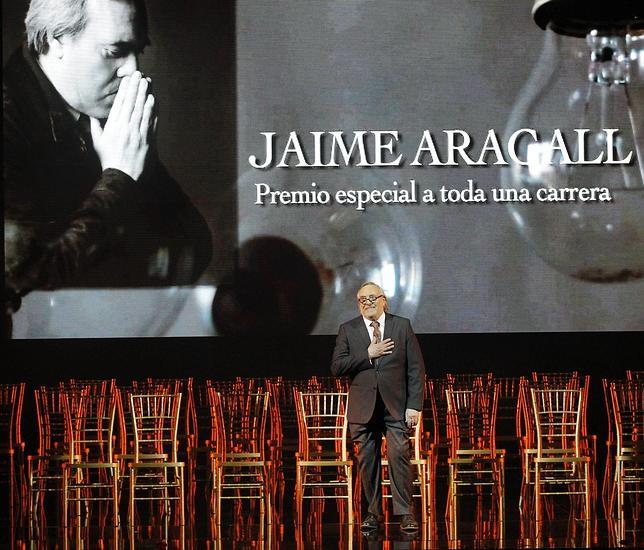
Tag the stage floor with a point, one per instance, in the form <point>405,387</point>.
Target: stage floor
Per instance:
<point>322,531</point>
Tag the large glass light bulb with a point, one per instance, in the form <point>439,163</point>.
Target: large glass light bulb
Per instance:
<point>346,247</point>
<point>587,77</point>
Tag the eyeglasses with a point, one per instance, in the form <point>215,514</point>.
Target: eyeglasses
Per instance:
<point>364,300</point>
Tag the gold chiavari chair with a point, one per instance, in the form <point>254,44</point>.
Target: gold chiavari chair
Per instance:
<point>275,442</point>
<point>420,464</point>
<point>204,440</point>
<point>91,475</point>
<point>125,439</point>
<point>172,386</point>
<point>474,460</point>
<point>608,485</point>
<point>507,430</point>
<point>156,474</point>
<point>561,468</point>
<point>628,408</point>
<point>290,427</point>
<point>323,466</point>
<point>124,435</point>
<point>635,375</point>
<point>44,469</point>
<point>528,430</point>
<point>438,400</point>
<point>241,470</point>
<point>11,444</point>
<point>588,442</point>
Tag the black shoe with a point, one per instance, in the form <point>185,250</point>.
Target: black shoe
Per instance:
<point>370,522</point>
<point>408,523</point>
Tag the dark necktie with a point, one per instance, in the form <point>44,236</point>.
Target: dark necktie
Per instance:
<point>376,332</point>
<point>376,339</point>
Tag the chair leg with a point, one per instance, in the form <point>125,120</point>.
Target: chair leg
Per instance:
<point>502,501</point>
<point>65,499</point>
<point>219,489</point>
<point>620,499</point>
<point>537,500</point>
<point>587,494</point>
<point>115,497</point>
<point>30,494</point>
<point>455,515</point>
<point>298,494</point>
<point>130,506</point>
<point>269,502</point>
<point>182,510</point>
<point>349,498</point>
<point>452,505</point>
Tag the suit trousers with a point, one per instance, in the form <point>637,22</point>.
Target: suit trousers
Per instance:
<point>369,438</point>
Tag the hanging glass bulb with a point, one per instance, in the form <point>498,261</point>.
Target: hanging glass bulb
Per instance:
<point>590,75</point>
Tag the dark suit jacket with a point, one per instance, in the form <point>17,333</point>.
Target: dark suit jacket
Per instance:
<point>399,377</point>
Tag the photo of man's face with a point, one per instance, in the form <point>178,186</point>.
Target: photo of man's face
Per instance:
<point>105,51</point>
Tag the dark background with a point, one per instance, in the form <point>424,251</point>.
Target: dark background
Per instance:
<point>191,60</point>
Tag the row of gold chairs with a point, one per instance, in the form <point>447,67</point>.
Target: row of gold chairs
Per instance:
<point>237,439</point>
<point>84,459</point>
<point>549,440</point>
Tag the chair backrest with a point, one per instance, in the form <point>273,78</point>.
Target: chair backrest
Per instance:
<point>342,384</point>
<point>635,374</point>
<point>508,416</point>
<point>124,435</point>
<point>471,418</point>
<point>557,417</point>
<point>322,422</point>
<point>466,380</point>
<point>11,402</point>
<point>155,422</point>
<point>324,383</point>
<point>170,385</point>
<point>238,385</point>
<point>610,413</point>
<point>557,379</point>
<point>243,422</point>
<point>53,430</point>
<point>92,427</point>
<point>526,428</point>
<point>438,402</point>
<point>101,386</point>
<point>628,408</point>
<point>203,418</point>
<point>276,428</point>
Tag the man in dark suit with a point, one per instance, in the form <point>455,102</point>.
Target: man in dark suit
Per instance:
<point>380,354</point>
